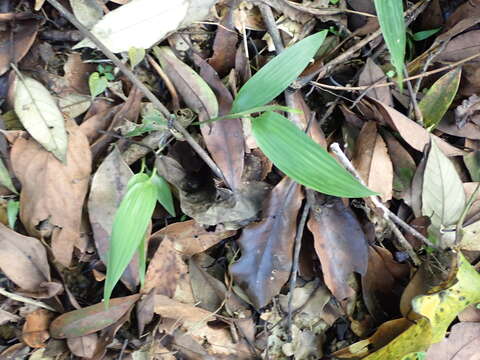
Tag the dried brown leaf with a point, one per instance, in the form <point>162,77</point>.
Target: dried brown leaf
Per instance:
<point>339,243</point>
<point>373,161</point>
<point>373,74</point>
<point>23,259</point>
<point>415,135</point>
<point>52,194</point>
<point>14,44</point>
<point>91,319</point>
<point>266,246</point>
<point>83,346</point>
<point>190,238</point>
<point>164,270</point>
<point>224,139</point>
<point>461,47</point>
<point>35,329</point>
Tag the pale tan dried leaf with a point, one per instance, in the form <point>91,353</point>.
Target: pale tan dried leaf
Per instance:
<point>373,74</point>
<point>83,346</point>
<point>23,259</point>
<point>373,161</point>
<point>35,330</point>
<point>52,194</point>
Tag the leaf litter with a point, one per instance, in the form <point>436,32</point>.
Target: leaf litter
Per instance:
<point>247,263</point>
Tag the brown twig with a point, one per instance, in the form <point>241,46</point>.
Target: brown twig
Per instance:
<point>135,81</point>
<point>413,100</point>
<point>387,214</point>
<point>167,81</point>
<point>391,83</point>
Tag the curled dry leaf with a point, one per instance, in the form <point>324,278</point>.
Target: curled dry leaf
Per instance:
<point>91,319</point>
<point>14,46</point>
<point>194,90</point>
<point>373,161</point>
<point>224,139</point>
<point>52,194</point>
<point>339,242</point>
<point>40,115</point>
<point>83,346</point>
<point>190,238</point>
<point>35,329</point>
<point>373,74</point>
<point>88,12</point>
<point>109,185</point>
<point>23,259</point>
<point>266,246</point>
<point>415,135</point>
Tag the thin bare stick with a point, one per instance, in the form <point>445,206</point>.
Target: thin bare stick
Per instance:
<point>167,81</point>
<point>387,214</point>
<point>25,300</point>
<point>146,91</point>
<point>272,28</point>
<point>391,83</point>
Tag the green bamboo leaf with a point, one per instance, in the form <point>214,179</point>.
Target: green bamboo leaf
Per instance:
<point>392,24</point>
<point>306,162</point>
<point>13,207</point>
<point>164,194</point>
<point>439,98</point>
<point>277,74</point>
<point>129,227</point>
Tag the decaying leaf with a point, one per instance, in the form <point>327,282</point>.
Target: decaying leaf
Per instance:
<point>190,238</point>
<point>88,12</point>
<point>53,192</point>
<point>462,343</point>
<point>373,74</point>
<point>267,245</point>
<point>40,115</point>
<point>373,161</point>
<point>339,242</point>
<point>194,90</point>
<point>83,346</point>
<point>91,319</point>
<point>109,185</point>
<point>132,26</point>
<point>415,135</point>
<point>439,97</point>
<point>35,329</point>
<point>23,259</point>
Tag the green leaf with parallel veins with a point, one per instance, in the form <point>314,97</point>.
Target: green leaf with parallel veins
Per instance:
<point>299,157</point>
<point>164,194</point>
<point>439,97</point>
<point>277,74</point>
<point>129,228</point>
<point>392,24</point>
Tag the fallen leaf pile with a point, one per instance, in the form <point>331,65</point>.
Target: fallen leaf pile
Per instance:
<point>250,264</point>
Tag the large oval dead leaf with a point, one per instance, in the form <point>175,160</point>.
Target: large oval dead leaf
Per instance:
<point>91,319</point>
<point>142,23</point>
<point>23,259</point>
<point>109,185</point>
<point>52,194</point>
<point>40,115</point>
<point>339,243</point>
<point>267,246</point>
